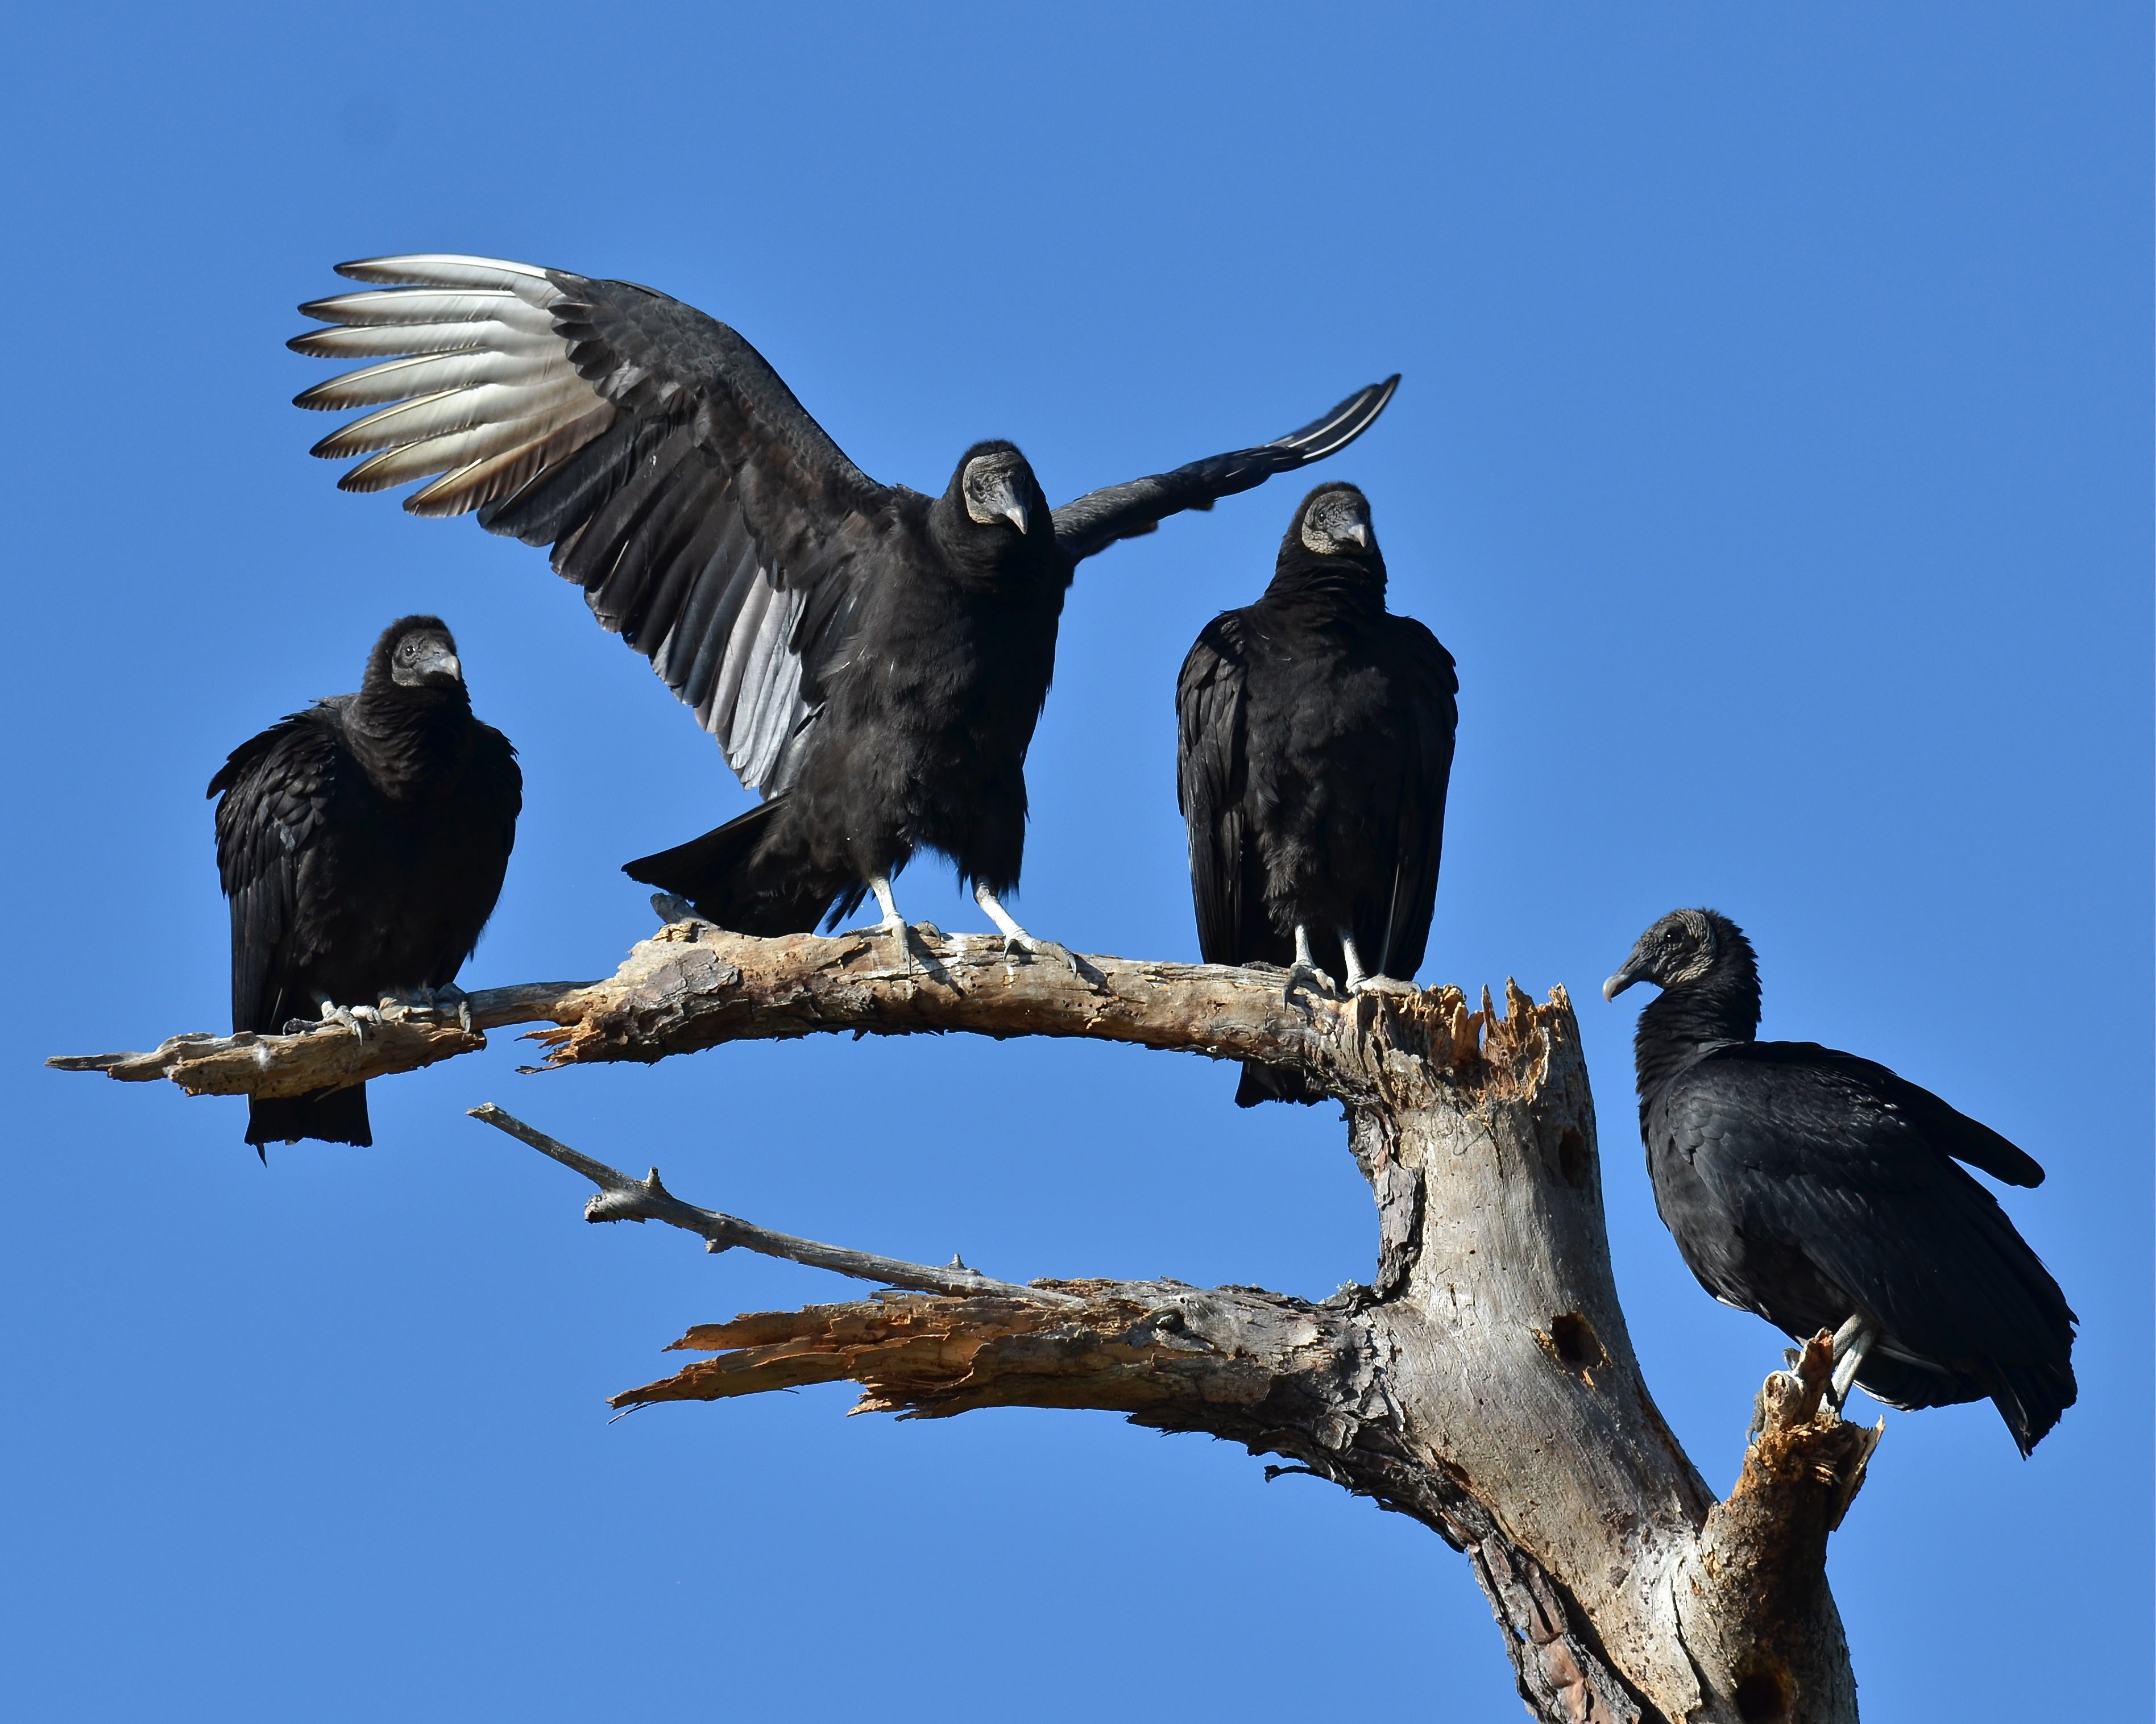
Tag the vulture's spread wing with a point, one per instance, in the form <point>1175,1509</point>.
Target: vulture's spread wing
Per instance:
<point>1124,511</point>
<point>1209,782</point>
<point>709,521</point>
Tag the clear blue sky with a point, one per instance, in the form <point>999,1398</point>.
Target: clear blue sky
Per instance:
<point>1773,453</point>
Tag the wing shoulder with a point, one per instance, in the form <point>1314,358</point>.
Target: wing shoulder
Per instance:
<point>1209,706</point>
<point>275,793</point>
<point>1423,658</point>
<point>1873,1090</point>
<point>497,781</point>
<point>1741,1114</point>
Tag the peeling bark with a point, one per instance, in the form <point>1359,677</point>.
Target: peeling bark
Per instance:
<point>1484,1382</point>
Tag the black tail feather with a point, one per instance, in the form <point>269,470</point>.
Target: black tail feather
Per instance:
<point>1274,1083</point>
<point>2031,1398</point>
<point>332,1116</point>
<point>734,878</point>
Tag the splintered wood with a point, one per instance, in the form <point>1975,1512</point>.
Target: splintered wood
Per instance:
<point>1131,1347</point>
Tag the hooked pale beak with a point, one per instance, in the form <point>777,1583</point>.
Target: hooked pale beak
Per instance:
<point>1014,512</point>
<point>1619,982</point>
<point>1360,533</point>
<point>441,664</point>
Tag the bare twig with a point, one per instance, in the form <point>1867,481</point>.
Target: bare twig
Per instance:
<point>622,1198</point>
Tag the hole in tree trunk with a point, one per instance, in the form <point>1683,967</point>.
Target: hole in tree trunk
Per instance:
<point>1761,1699</point>
<point>1572,1339</point>
<point>1572,1157</point>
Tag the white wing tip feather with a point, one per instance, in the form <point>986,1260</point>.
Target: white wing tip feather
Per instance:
<point>1333,433</point>
<point>494,399</point>
<point>441,269</point>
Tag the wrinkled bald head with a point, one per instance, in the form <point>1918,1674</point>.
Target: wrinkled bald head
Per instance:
<point>1334,520</point>
<point>1684,947</point>
<point>414,653</point>
<point>996,485</point>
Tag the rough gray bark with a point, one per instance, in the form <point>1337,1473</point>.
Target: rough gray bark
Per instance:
<point>1484,1382</point>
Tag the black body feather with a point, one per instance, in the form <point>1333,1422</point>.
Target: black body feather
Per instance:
<point>1810,1186</point>
<point>1315,739</point>
<point>871,659</point>
<point>362,844</point>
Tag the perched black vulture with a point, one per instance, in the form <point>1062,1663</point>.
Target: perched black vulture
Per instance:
<point>362,844</point>
<point>1314,747</point>
<point>1820,1191</point>
<point>872,660</point>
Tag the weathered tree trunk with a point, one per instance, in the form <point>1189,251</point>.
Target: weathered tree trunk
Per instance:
<point>1484,1382</point>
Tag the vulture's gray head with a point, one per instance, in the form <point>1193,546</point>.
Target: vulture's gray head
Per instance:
<point>416,653</point>
<point>1335,522</point>
<point>1684,947</point>
<point>996,485</point>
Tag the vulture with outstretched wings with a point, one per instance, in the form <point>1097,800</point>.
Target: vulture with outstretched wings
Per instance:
<point>870,659</point>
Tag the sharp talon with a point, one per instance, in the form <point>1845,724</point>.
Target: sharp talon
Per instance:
<point>354,1019</point>
<point>1308,977</point>
<point>1016,940</point>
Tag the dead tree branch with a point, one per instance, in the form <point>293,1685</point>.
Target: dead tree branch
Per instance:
<point>692,986</point>
<point>622,1198</point>
<point>1484,1382</point>
<point>329,1055</point>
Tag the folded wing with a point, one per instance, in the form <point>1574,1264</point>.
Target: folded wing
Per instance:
<point>1429,687</point>
<point>274,795</point>
<point>1210,774</point>
<point>1809,1153</point>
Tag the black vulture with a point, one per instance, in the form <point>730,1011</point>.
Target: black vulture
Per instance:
<point>870,659</point>
<point>362,844</point>
<point>1314,747</point>
<point>1821,1192</point>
